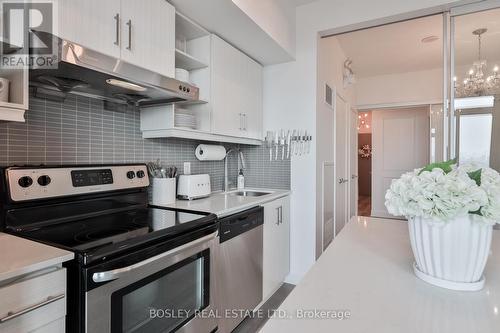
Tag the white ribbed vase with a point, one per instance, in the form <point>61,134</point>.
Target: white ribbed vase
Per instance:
<point>452,255</point>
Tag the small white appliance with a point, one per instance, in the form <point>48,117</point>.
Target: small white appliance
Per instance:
<point>192,187</point>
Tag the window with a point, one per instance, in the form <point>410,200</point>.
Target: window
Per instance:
<point>475,138</point>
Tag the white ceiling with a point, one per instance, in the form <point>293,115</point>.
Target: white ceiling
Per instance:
<point>394,48</point>
<point>466,44</point>
<point>297,3</point>
<point>227,20</point>
<point>397,48</point>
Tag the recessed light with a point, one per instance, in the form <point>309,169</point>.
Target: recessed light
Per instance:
<point>125,85</point>
<point>429,39</point>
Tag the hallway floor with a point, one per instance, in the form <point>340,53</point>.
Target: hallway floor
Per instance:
<point>364,206</point>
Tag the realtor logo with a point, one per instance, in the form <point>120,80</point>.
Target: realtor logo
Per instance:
<point>23,26</point>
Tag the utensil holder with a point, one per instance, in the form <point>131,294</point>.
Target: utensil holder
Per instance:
<point>164,191</point>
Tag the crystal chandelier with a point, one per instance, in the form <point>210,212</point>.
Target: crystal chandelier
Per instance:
<point>363,121</point>
<point>478,83</point>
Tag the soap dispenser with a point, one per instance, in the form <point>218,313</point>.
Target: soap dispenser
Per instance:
<point>241,180</point>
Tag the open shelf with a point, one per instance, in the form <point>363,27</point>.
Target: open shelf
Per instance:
<point>12,105</point>
<point>187,103</point>
<point>187,29</point>
<point>188,62</point>
<point>17,102</point>
<point>197,135</point>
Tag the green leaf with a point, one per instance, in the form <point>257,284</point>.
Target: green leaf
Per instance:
<point>477,212</point>
<point>445,166</point>
<point>476,176</point>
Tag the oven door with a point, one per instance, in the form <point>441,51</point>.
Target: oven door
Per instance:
<point>169,292</point>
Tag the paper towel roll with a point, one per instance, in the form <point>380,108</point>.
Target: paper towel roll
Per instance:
<point>210,152</point>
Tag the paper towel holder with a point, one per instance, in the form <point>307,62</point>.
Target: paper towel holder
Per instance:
<point>204,151</point>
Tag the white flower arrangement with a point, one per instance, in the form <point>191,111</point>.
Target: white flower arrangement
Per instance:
<point>442,191</point>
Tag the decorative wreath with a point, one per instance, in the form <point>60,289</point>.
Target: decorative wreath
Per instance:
<point>365,151</point>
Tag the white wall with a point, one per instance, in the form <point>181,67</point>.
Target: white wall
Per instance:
<point>290,101</point>
<point>275,17</point>
<point>331,59</point>
<point>422,87</point>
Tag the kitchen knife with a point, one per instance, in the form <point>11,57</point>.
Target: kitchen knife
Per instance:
<point>288,142</point>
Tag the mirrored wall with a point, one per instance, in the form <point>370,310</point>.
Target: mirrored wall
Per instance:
<point>475,87</point>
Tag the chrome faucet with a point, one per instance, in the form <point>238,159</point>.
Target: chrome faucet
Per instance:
<point>241,159</point>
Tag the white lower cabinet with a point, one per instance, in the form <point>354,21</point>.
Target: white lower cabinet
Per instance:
<point>276,263</point>
<point>36,303</point>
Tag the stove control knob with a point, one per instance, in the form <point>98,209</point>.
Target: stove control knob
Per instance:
<point>130,175</point>
<point>25,181</point>
<point>44,180</point>
<point>140,174</point>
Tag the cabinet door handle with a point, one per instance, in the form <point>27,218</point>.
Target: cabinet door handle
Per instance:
<point>244,121</point>
<point>129,23</point>
<point>278,215</point>
<point>117,38</point>
<point>241,121</point>
<point>11,314</point>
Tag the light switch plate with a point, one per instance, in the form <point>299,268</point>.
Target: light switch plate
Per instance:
<point>187,168</point>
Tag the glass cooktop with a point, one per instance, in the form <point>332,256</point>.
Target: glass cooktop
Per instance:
<point>117,229</point>
<point>111,228</point>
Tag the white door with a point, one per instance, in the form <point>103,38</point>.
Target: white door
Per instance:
<point>92,23</point>
<point>148,34</point>
<point>341,163</point>
<point>353,163</point>
<point>400,144</point>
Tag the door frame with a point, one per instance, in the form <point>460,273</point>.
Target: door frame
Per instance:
<point>335,110</point>
<point>326,164</point>
<point>352,177</point>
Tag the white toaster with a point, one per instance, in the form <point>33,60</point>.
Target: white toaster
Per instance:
<point>192,187</point>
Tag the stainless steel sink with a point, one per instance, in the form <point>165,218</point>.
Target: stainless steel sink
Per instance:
<point>248,193</point>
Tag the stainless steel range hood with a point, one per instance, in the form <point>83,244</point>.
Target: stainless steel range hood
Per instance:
<point>83,71</point>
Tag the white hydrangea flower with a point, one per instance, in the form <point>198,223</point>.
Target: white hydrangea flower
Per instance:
<point>441,196</point>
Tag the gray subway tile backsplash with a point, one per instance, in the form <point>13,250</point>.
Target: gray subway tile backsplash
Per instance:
<point>82,131</point>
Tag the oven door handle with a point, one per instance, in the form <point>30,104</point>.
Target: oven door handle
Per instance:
<point>117,273</point>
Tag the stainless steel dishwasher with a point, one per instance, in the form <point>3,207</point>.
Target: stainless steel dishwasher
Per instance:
<point>239,266</point>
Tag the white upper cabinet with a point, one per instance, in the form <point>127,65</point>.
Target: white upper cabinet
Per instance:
<point>148,35</point>
<point>141,33</point>
<point>236,92</point>
<point>226,80</point>
<point>92,23</point>
<point>253,107</point>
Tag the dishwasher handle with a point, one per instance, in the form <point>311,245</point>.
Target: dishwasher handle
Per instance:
<point>237,224</point>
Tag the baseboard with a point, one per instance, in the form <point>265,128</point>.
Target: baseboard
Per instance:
<point>381,213</point>
<point>293,278</point>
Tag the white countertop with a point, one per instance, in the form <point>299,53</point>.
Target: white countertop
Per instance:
<point>367,270</point>
<point>20,256</point>
<point>223,204</point>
